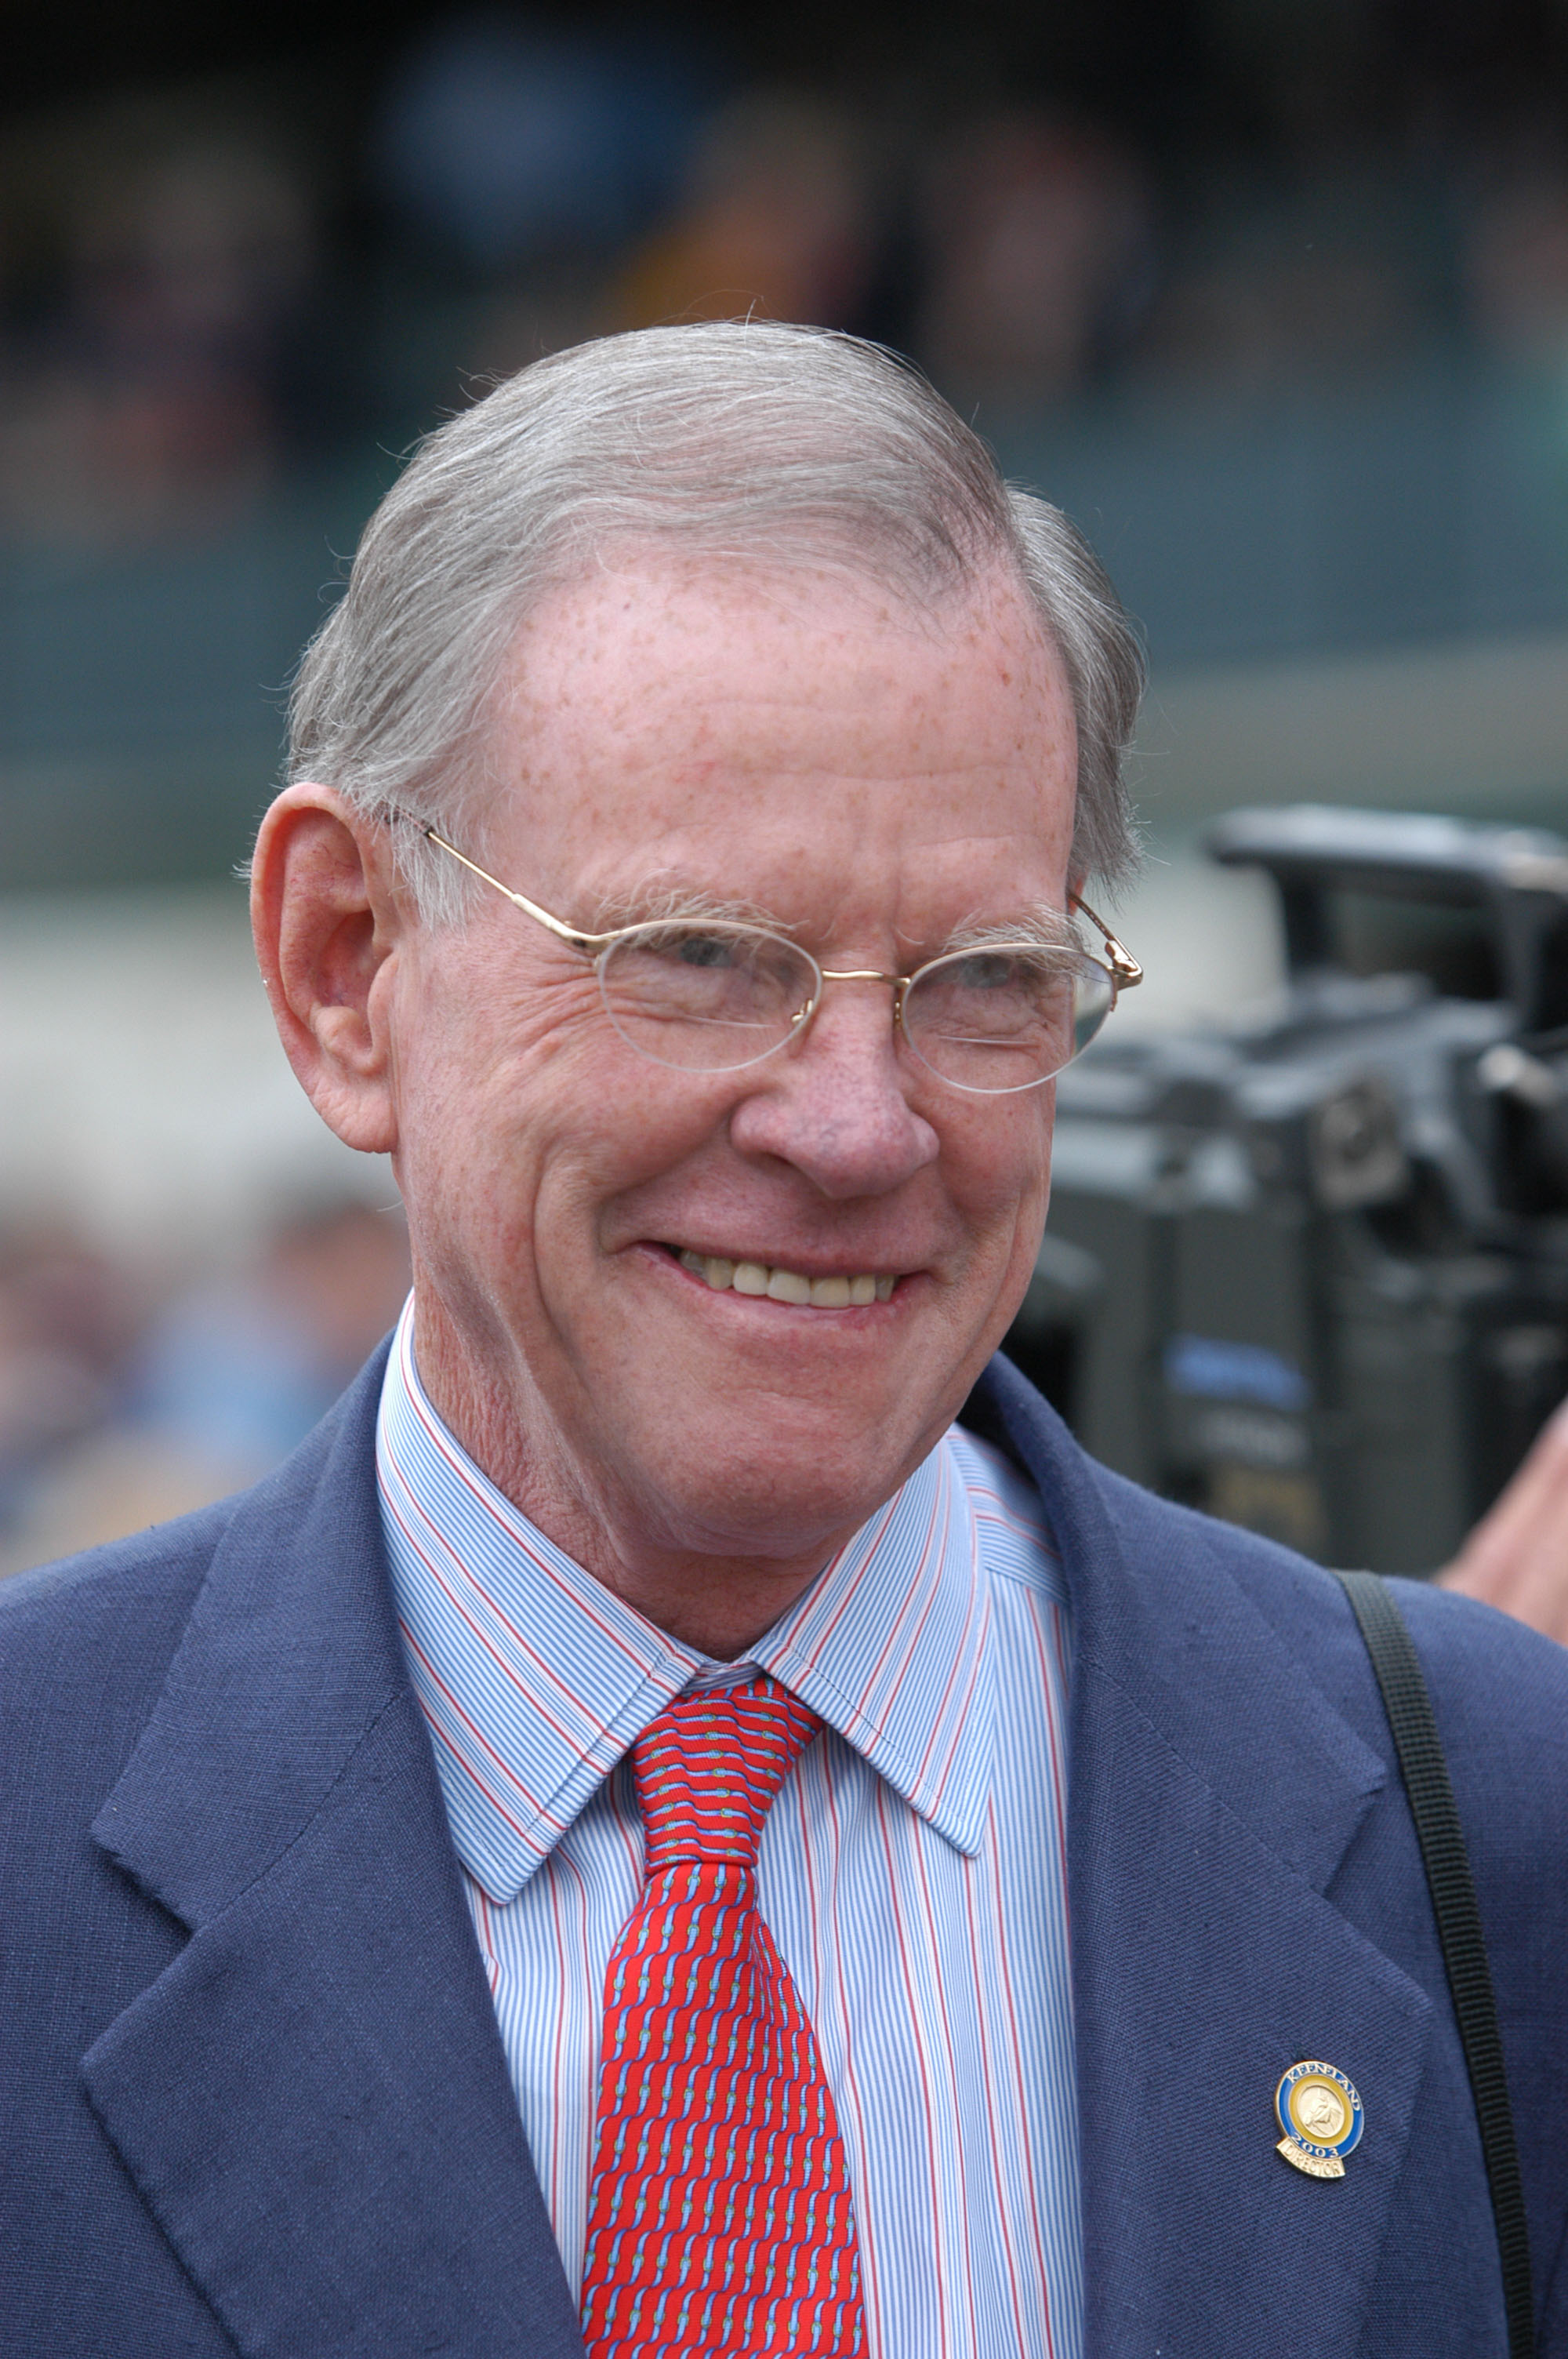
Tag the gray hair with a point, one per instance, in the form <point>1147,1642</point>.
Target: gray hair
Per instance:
<point>755,442</point>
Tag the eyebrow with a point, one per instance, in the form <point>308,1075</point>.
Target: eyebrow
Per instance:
<point>679,904</point>
<point>1040,926</point>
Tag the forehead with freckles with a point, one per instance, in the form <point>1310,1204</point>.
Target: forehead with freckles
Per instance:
<point>799,742</point>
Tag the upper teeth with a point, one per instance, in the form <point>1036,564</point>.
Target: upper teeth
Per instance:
<point>787,1285</point>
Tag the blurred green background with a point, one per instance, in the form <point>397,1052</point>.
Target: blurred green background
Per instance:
<point>1272,295</point>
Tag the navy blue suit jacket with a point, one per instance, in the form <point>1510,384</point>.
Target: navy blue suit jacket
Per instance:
<point>253,2095</point>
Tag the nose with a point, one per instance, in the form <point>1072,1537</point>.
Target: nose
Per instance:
<point>836,1102</point>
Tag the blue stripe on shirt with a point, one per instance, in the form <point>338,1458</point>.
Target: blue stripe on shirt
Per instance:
<point>912,1870</point>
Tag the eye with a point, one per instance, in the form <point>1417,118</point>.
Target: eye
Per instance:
<point>990,971</point>
<point>702,950</point>
<point>1021,969</point>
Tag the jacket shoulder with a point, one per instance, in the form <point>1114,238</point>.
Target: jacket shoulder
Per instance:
<point>1499,1690</point>
<point>86,1644</point>
<point>85,1647</point>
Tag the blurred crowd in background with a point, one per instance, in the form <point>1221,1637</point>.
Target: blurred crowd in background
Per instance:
<point>132,1389</point>
<point>243,265</point>
<point>206,284</point>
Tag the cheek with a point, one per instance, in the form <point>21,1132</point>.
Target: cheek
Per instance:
<point>540,1149</point>
<point>480,1055</point>
<point>474,1067</point>
<point>997,1163</point>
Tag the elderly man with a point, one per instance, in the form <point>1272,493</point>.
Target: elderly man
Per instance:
<point>647,1834</point>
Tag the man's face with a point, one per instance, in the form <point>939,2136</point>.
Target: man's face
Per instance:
<point>871,777</point>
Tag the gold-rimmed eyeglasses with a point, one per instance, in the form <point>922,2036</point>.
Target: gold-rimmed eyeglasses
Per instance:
<point>713,995</point>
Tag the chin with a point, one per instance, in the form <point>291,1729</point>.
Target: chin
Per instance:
<point>774,1526</point>
<point>796,1474</point>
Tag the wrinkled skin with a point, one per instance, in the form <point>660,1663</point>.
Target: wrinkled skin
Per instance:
<point>873,774</point>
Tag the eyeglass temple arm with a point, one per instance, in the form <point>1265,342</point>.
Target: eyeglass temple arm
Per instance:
<point>1125,970</point>
<point>591,942</point>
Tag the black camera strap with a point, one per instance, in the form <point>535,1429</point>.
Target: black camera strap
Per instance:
<point>1453,1889</point>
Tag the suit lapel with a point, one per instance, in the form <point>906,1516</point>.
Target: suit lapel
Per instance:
<point>1214,1794</point>
<point>313,2100</point>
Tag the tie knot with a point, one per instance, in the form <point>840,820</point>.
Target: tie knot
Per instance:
<point>708,1767</point>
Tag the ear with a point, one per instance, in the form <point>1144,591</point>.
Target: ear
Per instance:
<point>329,917</point>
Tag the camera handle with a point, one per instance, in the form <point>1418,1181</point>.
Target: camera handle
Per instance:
<point>1515,877</point>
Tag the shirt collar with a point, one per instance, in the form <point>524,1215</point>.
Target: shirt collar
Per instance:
<point>536,1680</point>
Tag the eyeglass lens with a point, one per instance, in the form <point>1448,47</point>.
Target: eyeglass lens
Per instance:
<point>711,999</point>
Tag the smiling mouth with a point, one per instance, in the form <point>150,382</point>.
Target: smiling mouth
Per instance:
<point>780,1285</point>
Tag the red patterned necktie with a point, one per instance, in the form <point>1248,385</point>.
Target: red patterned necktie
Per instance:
<point>718,2214</point>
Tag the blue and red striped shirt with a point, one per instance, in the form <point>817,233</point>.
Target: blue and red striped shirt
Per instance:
<point>912,1870</point>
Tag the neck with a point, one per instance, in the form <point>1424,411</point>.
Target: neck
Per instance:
<point>716,1600</point>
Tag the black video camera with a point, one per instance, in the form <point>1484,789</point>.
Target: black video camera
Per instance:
<point>1310,1272</point>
